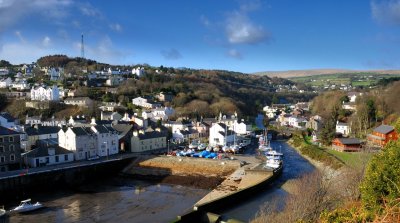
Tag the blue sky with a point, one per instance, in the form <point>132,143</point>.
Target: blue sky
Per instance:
<point>238,35</point>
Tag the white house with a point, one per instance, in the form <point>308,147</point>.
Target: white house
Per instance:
<point>55,73</point>
<point>161,113</point>
<point>343,128</point>
<point>113,72</point>
<point>107,140</point>
<point>21,85</point>
<point>79,101</point>
<point>349,106</point>
<point>45,93</point>
<point>4,71</point>
<point>270,112</point>
<point>241,128</point>
<point>182,135</point>
<point>144,141</point>
<point>5,82</point>
<point>139,71</point>
<point>82,141</point>
<point>296,122</point>
<point>145,103</point>
<point>353,96</point>
<point>220,135</point>
<point>45,156</point>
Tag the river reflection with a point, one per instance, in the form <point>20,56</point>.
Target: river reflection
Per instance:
<point>129,201</point>
<point>294,166</point>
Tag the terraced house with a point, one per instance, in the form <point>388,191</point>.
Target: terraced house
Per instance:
<point>10,149</point>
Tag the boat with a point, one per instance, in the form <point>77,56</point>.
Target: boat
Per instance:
<point>202,146</point>
<point>273,163</point>
<point>272,154</point>
<point>2,211</point>
<point>26,206</point>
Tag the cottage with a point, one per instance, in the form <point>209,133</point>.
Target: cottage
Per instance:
<point>39,132</point>
<point>220,135</point>
<point>343,128</point>
<point>80,140</point>
<point>10,149</point>
<point>144,141</point>
<point>48,155</point>
<point>346,144</point>
<point>381,135</point>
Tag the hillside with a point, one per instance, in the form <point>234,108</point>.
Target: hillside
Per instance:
<point>314,72</point>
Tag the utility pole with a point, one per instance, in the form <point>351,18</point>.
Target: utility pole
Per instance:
<point>82,48</point>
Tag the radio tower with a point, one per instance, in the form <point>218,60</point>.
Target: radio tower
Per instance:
<point>82,48</point>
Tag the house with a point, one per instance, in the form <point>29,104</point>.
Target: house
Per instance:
<point>162,96</point>
<point>346,144</point>
<point>381,135</point>
<point>185,135</point>
<point>315,123</point>
<point>48,154</point>
<point>54,122</point>
<point>4,71</point>
<point>33,120</point>
<point>125,132</point>
<point>160,113</point>
<point>20,85</point>
<point>343,128</point>
<point>107,140</point>
<point>39,132</point>
<point>241,128</point>
<point>144,141</point>
<point>353,96</point>
<point>5,82</point>
<point>79,101</point>
<point>349,106</point>
<point>7,121</point>
<point>110,116</point>
<point>78,121</point>
<point>270,112</point>
<point>220,135</point>
<point>296,122</point>
<point>139,71</point>
<point>80,140</point>
<point>145,103</point>
<point>55,73</point>
<point>45,93</point>
<point>228,120</point>
<point>10,149</point>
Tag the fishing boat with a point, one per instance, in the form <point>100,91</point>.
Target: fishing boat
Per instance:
<point>273,163</point>
<point>26,206</point>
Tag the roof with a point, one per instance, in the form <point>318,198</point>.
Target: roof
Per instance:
<point>43,151</point>
<point>5,131</point>
<point>77,99</point>
<point>342,124</point>
<point>349,141</point>
<point>42,130</point>
<point>385,129</point>
<point>150,135</point>
<point>81,131</point>
<point>103,129</point>
<point>7,116</point>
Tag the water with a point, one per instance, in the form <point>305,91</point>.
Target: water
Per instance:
<point>127,200</point>
<point>115,200</point>
<point>294,166</point>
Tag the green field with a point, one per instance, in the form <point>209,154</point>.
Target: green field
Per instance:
<point>351,159</point>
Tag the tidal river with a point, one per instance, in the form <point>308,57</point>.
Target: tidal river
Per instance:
<point>127,200</point>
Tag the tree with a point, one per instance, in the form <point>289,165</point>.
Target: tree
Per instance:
<point>328,131</point>
<point>382,179</point>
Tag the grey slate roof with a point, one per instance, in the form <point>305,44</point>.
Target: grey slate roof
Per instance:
<point>43,151</point>
<point>153,134</point>
<point>81,131</point>
<point>5,131</point>
<point>385,129</point>
<point>349,141</point>
<point>7,116</point>
<point>42,130</point>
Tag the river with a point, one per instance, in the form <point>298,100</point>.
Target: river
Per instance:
<point>128,200</point>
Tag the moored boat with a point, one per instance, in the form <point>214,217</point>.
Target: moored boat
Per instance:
<point>26,206</point>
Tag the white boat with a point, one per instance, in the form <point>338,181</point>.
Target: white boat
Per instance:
<point>2,211</point>
<point>273,163</point>
<point>272,154</point>
<point>26,206</point>
<point>202,146</point>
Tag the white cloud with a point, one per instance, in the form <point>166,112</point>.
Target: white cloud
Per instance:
<point>386,11</point>
<point>46,41</point>
<point>204,20</point>
<point>235,54</point>
<point>116,27</point>
<point>89,10</point>
<point>171,54</point>
<point>240,29</point>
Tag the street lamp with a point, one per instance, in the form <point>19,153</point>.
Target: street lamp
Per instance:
<point>168,147</point>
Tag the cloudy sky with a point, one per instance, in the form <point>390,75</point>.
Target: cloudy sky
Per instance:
<point>239,35</point>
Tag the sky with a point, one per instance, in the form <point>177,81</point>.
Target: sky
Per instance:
<point>237,35</point>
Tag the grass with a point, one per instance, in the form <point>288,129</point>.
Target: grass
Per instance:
<point>351,159</point>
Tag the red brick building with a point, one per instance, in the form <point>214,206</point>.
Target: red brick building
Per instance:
<point>346,144</point>
<point>382,135</point>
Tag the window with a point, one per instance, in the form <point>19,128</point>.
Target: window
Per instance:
<point>2,159</point>
<point>57,159</point>
<point>66,157</point>
<point>1,139</point>
<point>11,139</point>
<point>47,159</point>
<point>1,149</point>
<point>11,147</point>
<point>12,157</point>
